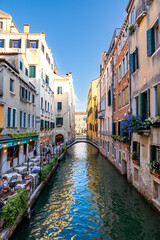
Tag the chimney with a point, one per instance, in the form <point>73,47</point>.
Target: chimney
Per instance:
<point>12,29</point>
<point>26,28</point>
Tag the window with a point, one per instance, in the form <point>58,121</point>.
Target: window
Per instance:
<point>15,43</point>
<point>156,191</point>
<point>33,100</point>
<point>26,71</point>
<point>11,85</point>
<point>123,66</point>
<point>125,96</point>
<point>119,48</point>
<point>29,120</point>
<point>109,97</point>
<point>114,80</point>
<point>107,74</point>
<point>42,48</point>
<point>32,43</point>
<point>1,43</point>
<point>21,119</point>
<point>14,118</point>
<point>48,106</point>
<point>119,128</point>
<point>12,153</point>
<point>45,105</point>
<point>133,16</point>
<point>144,104</point>
<point>126,62</point>
<point>119,100</point>
<point>29,96</point>
<point>1,24</point>
<point>120,157</point>
<point>119,73</point>
<point>114,128</point>
<point>21,66</point>
<point>59,90</point>
<point>124,37</point>
<point>136,148</point>
<point>47,80</point>
<point>41,103</point>
<point>9,118</point>
<point>23,92</point>
<point>59,121</point>
<point>32,71</point>
<point>154,153</point>
<point>133,59</point>
<point>153,38</point>
<point>24,119</point>
<point>136,175</point>
<point>137,105</point>
<point>59,106</point>
<point>157,100</point>
<point>33,121</point>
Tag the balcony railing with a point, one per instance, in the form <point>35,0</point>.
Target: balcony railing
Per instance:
<point>142,11</point>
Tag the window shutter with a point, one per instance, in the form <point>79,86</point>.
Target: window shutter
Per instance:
<point>41,123</point>
<point>10,43</point>
<point>132,63</point>
<point>19,43</point>
<point>137,62</point>
<point>150,42</point>
<point>14,117</point>
<point>100,68</point>
<point>152,153</point>
<point>148,102</point>
<point>2,43</point>
<point>28,43</point>
<point>137,105</point>
<point>62,121</point>
<point>9,117</point>
<point>37,43</point>
<point>141,103</point>
<point>56,121</point>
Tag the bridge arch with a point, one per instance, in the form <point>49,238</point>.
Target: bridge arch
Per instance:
<point>85,140</point>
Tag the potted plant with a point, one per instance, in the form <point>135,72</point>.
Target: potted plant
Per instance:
<point>154,166</point>
<point>134,157</point>
<point>131,123</point>
<point>154,121</point>
<point>131,29</point>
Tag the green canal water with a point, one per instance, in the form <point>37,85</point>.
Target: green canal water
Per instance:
<point>88,199</point>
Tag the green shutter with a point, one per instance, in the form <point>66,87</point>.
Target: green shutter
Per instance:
<point>143,103</point>
<point>137,105</point>
<point>37,43</point>
<point>9,117</point>
<point>148,102</point>
<point>62,121</point>
<point>19,43</point>
<point>14,117</point>
<point>28,43</point>
<point>132,63</point>
<point>56,121</point>
<point>137,62</point>
<point>10,43</point>
<point>150,42</point>
<point>32,71</point>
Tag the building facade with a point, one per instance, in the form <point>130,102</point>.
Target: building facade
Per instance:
<point>92,111</point>
<point>144,43</point>
<point>80,123</point>
<point>18,112</point>
<point>40,71</point>
<point>64,108</point>
<point>120,140</point>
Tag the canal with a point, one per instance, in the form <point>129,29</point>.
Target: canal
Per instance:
<point>88,199</point>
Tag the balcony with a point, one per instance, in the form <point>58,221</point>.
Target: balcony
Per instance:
<point>142,11</point>
<point>101,114</point>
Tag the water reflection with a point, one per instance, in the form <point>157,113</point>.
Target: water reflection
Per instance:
<point>88,199</point>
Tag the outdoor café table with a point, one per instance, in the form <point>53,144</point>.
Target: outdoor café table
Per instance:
<point>28,164</point>
<point>10,175</point>
<point>34,160</point>
<point>20,169</point>
<point>21,185</point>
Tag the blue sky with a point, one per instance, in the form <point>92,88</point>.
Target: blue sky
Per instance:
<point>76,30</point>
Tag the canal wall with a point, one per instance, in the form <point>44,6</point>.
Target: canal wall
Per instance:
<point>8,232</point>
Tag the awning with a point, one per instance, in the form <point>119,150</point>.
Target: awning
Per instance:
<point>15,142</point>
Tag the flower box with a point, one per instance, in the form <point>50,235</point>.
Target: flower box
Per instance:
<point>156,174</point>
